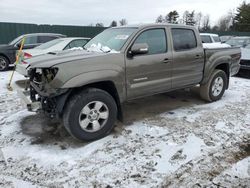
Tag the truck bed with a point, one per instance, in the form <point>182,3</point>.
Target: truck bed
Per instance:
<point>231,55</point>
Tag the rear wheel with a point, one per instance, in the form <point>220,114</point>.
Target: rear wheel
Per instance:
<point>214,89</point>
<point>90,115</point>
<point>4,63</point>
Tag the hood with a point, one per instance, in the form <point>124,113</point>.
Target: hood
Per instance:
<point>55,58</point>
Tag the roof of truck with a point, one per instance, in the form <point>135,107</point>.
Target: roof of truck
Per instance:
<point>141,26</point>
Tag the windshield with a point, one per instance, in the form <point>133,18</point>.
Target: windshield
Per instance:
<point>49,44</point>
<point>110,40</point>
<point>236,42</point>
<point>15,40</point>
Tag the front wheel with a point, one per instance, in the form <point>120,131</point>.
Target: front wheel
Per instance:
<point>90,115</point>
<point>4,63</point>
<point>214,89</point>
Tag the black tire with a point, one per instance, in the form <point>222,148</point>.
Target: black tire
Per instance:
<point>206,90</point>
<point>4,63</point>
<point>74,107</point>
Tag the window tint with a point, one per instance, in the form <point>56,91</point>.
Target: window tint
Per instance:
<point>31,40</point>
<point>77,43</point>
<point>216,39</point>
<point>206,39</point>
<point>156,40</point>
<point>184,39</point>
<point>43,39</point>
<point>49,44</point>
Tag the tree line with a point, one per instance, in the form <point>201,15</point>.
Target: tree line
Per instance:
<point>114,23</point>
<point>232,21</point>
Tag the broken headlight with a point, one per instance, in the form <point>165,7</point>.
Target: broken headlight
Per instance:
<point>49,74</point>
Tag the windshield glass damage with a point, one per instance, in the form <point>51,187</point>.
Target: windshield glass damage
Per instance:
<point>110,40</point>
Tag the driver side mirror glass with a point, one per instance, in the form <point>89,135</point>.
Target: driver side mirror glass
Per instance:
<point>140,48</point>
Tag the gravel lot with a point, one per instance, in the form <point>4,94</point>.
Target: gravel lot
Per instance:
<point>168,140</point>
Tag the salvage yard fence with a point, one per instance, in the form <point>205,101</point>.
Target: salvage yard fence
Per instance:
<point>9,31</point>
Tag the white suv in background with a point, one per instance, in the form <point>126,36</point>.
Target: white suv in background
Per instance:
<point>211,40</point>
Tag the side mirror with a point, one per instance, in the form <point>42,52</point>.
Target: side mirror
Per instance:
<point>140,48</point>
<point>18,45</point>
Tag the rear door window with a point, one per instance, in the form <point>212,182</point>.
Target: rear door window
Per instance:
<point>183,39</point>
<point>44,39</point>
<point>30,40</point>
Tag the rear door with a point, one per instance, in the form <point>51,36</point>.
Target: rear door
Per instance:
<point>46,38</point>
<point>149,73</point>
<point>188,57</point>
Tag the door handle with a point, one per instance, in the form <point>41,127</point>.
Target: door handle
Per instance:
<point>198,56</point>
<point>166,60</point>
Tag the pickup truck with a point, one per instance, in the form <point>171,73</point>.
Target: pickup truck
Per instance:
<point>87,88</point>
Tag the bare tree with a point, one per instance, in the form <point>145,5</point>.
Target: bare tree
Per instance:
<point>99,25</point>
<point>206,23</point>
<point>160,19</point>
<point>185,17</point>
<point>224,23</point>
<point>123,22</point>
<point>198,19</point>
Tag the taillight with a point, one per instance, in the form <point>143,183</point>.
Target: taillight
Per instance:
<point>27,55</point>
<point>24,62</point>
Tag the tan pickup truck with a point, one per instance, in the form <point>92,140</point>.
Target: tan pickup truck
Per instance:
<point>87,88</point>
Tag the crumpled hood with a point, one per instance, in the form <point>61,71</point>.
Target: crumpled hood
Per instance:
<point>55,58</point>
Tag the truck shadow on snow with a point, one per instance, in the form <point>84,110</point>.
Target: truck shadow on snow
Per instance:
<point>44,130</point>
<point>163,103</point>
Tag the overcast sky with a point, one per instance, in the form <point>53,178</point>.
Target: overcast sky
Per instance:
<point>85,12</point>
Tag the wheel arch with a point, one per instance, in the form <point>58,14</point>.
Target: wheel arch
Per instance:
<point>219,65</point>
<point>224,67</point>
<point>107,86</point>
<point>4,55</point>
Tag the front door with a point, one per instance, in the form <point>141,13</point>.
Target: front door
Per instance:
<point>149,73</point>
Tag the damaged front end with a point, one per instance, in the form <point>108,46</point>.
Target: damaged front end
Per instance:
<point>50,99</point>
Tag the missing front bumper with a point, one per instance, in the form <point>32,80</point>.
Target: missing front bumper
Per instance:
<point>24,94</point>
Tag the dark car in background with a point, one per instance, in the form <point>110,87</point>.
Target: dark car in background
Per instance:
<point>8,51</point>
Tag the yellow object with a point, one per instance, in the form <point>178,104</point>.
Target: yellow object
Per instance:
<point>17,59</point>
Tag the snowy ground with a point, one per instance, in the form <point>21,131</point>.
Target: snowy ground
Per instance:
<point>169,140</point>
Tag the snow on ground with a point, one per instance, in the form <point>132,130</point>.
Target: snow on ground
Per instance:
<point>168,140</point>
